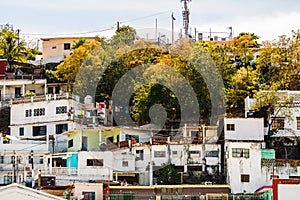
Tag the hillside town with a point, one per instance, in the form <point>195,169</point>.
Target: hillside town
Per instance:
<point>89,117</point>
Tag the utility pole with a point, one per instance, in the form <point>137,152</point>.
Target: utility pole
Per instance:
<point>118,25</point>
<point>185,15</point>
<point>32,167</point>
<point>155,28</point>
<point>18,33</point>
<point>14,166</point>
<point>173,19</point>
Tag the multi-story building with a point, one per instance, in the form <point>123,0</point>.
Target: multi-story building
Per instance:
<point>43,118</point>
<point>100,154</point>
<point>244,139</point>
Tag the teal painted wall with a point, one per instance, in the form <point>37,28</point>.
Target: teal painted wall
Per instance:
<point>72,161</point>
<point>268,153</point>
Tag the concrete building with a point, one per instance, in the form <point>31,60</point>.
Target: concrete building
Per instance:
<point>96,155</point>
<point>44,118</point>
<point>60,46</point>
<point>244,139</point>
<point>286,117</point>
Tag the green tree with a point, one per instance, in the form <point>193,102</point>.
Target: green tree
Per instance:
<point>10,48</point>
<point>167,175</point>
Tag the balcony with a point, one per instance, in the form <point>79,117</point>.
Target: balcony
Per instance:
<point>176,140</point>
<point>60,171</point>
<point>39,98</point>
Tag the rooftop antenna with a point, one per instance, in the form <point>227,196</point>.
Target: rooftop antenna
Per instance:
<point>185,15</point>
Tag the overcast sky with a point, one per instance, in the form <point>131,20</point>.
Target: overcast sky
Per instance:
<point>266,18</point>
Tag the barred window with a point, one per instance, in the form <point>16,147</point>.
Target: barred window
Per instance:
<point>39,112</point>
<point>278,123</point>
<point>230,127</point>
<point>240,153</point>
<point>28,113</point>
<point>298,123</point>
<point>245,178</point>
<point>61,109</point>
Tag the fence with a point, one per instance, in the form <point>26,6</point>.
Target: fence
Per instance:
<point>132,196</point>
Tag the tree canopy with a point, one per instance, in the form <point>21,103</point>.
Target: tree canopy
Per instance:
<point>244,66</point>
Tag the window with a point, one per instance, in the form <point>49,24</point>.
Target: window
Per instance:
<point>124,163</point>
<point>70,143</point>
<point>50,90</point>
<point>139,155</point>
<point>39,112</point>
<point>39,130</point>
<point>240,153</point>
<point>21,131</point>
<point>57,89</point>
<point>245,178</point>
<point>17,92</point>
<point>41,160</point>
<point>61,109</point>
<point>7,179</point>
<point>159,154</point>
<point>94,162</point>
<point>1,159</point>
<point>194,133</point>
<point>230,127</point>
<point>60,128</point>
<point>67,46</point>
<point>89,195</point>
<point>195,152</point>
<point>28,113</point>
<point>54,47</point>
<point>298,123</point>
<point>278,123</point>
<point>174,153</point>
<point>212,153</point>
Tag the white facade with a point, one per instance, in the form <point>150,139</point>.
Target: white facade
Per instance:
<point>44,117</point>
<point>243,142</point>
<point>244,172</point>
<point>243,129</point>
<point>23,166</point>
<point>95,189</point>
<point>290,114</point>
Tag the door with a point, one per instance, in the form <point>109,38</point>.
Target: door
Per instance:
<point>84,143</point>
<point>17,92</point>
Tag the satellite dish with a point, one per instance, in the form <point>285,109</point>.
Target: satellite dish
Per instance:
<point>103,147</point>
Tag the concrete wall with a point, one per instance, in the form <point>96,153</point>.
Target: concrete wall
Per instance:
<point>93,137</point>
<point>236,166</point>
<point>89,187</point>
<point>95,172</point>
<point>54,47</point>
<point>288,191</point>
<point>244,129</point>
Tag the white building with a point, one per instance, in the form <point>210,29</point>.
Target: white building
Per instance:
<point>286,116</point>
<point>244,139</point>
<point>129,159</point>
<point>42,118</point>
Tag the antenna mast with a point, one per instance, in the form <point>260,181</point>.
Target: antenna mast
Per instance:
<point>185,15</point>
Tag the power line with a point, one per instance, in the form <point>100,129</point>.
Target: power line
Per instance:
<point>145,17</point>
